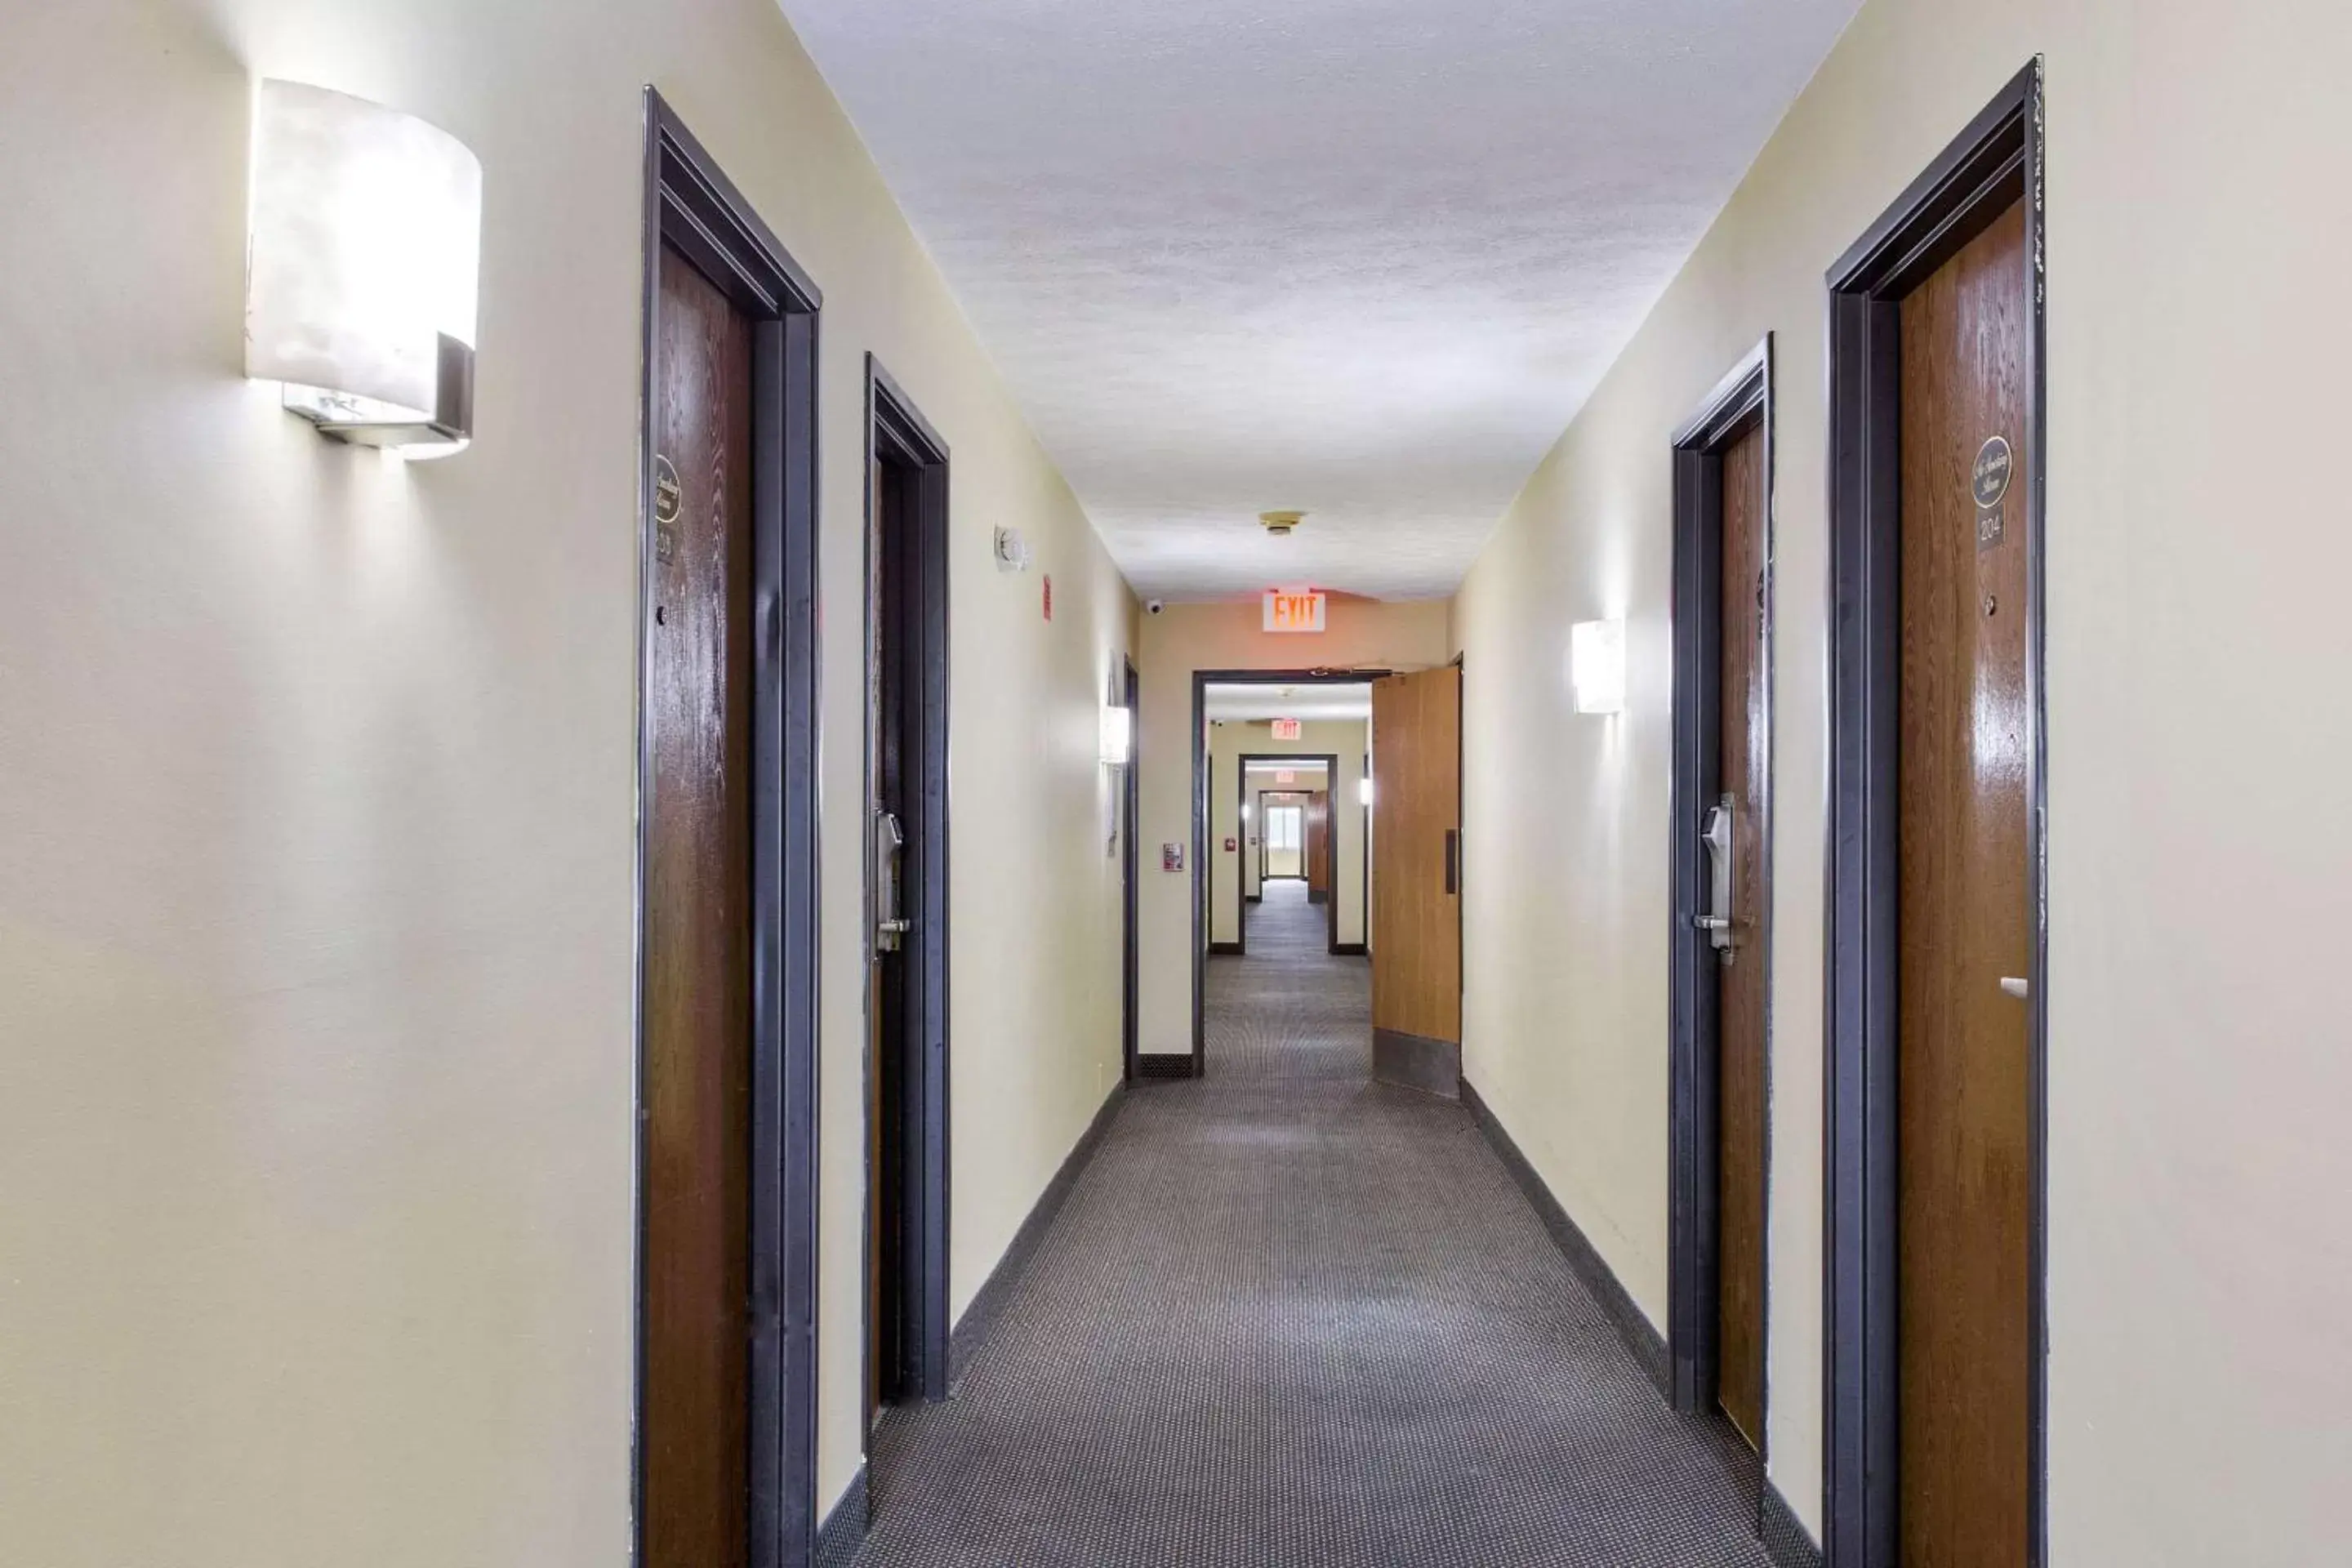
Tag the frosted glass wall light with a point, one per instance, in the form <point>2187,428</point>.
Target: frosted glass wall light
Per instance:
<point>362,269</point>
<point>1596,664</point>
<point>1118,736</point>
<point>1364,789</point>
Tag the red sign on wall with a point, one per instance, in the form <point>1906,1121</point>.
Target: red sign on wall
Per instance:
<point>1294,610</point>
<point>1285,729</point>
<point>1285,775</point>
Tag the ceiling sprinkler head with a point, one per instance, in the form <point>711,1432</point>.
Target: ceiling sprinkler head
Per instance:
<point>1281,523</point>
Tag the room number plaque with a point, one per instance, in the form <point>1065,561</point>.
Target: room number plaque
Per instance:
<point>1990,479</point>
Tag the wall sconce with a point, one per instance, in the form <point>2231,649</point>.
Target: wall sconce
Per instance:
<point>1118,736</point>
<point>1364,789</point>
<point>363,269</point>
<point>1596,663</point>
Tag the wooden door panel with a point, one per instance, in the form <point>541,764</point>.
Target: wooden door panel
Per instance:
<point>697,961</point>
<point>1745,768</point>
<point>1964,1095</point>
<point>1318,835</point>
<point>1417,821</point>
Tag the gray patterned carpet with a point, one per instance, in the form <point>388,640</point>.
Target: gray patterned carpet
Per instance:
<point>1290,1318</point>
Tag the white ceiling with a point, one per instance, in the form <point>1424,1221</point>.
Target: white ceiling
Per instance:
<point>1362,257</point>
<point>1242,703</point>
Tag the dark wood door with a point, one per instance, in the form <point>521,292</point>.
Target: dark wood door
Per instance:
<point>1746,771</point>
<point>1319,846</point>
<point>1965,1159</point>
<point>1416,849</point>
<point>895,742</point>
<point>698,929</point>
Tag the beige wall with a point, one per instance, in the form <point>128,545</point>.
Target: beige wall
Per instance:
<point>316,798</point>
<point>1228,742</point>
<point>1361,634</point>
<point>2200,1288</point>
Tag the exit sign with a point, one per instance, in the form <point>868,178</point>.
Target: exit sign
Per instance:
<point>1285,730</point>
<point>1294,610</point>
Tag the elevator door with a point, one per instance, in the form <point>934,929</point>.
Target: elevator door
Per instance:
<point>1963,1106</point>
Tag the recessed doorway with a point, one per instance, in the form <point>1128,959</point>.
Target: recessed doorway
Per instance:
<point>907,902</point>
<point>1935,1336</point>
<point>1721,870</point>
<point>726,1430</point>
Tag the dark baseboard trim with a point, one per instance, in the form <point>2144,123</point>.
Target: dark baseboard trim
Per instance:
<point>1226,950</point>
<point>1786,1540</point>
<point>1154,1065</point>
<point>1351,950</point>
<point>1317,897</point>
<point>1648,1347</point>
<point>1257,898</point>
<point>844,1530</point>
<point>1413,1062</point>
<point>971,1333</point>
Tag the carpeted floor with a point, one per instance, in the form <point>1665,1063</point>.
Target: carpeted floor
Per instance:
<point>1291,1319</point>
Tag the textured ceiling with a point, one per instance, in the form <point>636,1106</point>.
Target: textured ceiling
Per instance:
<point>1238,702</point>
<point>1360,258</point>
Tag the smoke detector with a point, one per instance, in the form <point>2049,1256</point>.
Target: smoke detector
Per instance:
<point>1281,524</point>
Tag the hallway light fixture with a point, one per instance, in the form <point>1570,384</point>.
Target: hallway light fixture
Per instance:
<point>363,269</point>
<point>1596,663</point>
<point>1364,790</point>
<point>1118,736</point>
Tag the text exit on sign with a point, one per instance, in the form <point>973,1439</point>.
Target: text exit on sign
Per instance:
<point>1294,610</point>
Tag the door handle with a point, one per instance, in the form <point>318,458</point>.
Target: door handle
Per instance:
<point>1720,839</point>
<point>890,925</point>
<point>2010,985</point>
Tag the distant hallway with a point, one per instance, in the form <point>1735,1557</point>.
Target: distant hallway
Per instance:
<point>1292,1318</point>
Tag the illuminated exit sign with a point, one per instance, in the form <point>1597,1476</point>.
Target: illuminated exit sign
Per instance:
<point>1294,610</point>
<point>1285,730</point>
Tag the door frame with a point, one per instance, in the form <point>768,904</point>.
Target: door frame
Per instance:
<point>1201,681</point>
<point>1329,762</point>
<point>1131,867</point>
<point>1740,404</point>
<point>1997,161</point>
<point>896,432</point>
<point>690,206</point>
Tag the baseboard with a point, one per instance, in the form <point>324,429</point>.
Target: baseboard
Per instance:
<point>844,1530</point>
<point>1226,950</point>
<point>1432,1066</point>
<point>1351,950</point>
<point>1633,1327</point>
<point>1158,1066</point>
<point>971,1331</point>
<point>1786,1540</point>
<point>1257,898</point>
<point>1317,895</point>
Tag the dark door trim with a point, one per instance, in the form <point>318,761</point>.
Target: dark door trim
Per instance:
<point>1201,681</point>
<point>1131,813</point>
<point>898,435</point>
<point>1997,161</point>
<point>691,206</point>
<point>1329,762</point>
<point>1740,404</point>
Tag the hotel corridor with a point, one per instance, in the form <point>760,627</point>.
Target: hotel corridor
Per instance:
<point>1290,1317</point>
